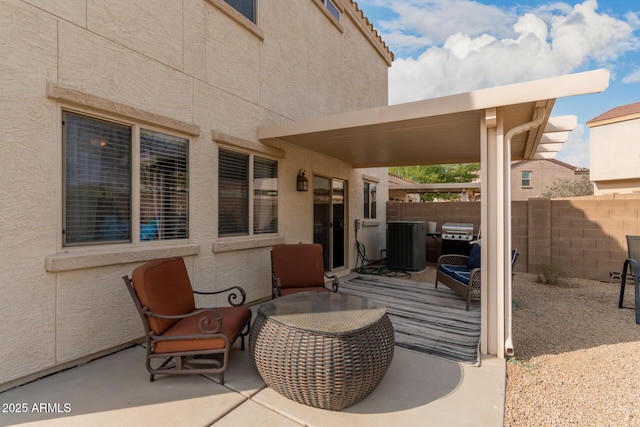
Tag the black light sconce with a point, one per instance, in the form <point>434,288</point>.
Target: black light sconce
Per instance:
<point>302,181</point>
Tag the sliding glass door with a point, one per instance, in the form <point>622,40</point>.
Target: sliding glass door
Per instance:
<point>329,200</point>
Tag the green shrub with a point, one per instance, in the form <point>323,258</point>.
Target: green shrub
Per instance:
<point>555,276</point>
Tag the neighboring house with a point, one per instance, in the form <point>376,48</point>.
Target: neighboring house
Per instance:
<point>531,178</point>
<point>130,132</point>
<point>401,190</point>
<point>614,154</point>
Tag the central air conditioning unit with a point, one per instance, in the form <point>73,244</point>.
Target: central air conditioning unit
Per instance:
<point>406,245</point>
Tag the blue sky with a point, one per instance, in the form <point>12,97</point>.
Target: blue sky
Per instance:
<point>444,47</point>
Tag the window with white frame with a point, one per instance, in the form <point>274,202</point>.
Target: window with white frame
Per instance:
<point>247,194</point>
<point>526,179</point>
<point>370,205</point>
<point>122,183</point>
<point>331,7</point>
<point>245,7</point>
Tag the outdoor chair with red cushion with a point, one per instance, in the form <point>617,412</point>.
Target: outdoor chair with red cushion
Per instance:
<point>186,339</point>
<point>298,268</point>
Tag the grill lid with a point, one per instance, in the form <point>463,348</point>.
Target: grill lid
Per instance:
<point>460,228</point>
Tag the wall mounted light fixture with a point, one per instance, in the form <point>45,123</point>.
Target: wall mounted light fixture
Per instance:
<point>302,183</point>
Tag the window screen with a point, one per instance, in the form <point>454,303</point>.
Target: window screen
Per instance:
<point>265,196</point>
<point>245,7</point>
<point>333,9</point>
<point>366,200</point>
<point>164,196</point>
<point>233,193</point>
<point>97,181</point>
<point>374,203</point>
<point>98,195</point>
<point>370,204</point>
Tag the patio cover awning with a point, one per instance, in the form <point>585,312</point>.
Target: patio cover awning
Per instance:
<point>434,131</point>
<point>491,126</point>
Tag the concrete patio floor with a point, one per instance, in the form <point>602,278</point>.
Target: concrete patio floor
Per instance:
<point>115,390</point>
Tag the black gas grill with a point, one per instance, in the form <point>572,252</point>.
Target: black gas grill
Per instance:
<point>456,237</point>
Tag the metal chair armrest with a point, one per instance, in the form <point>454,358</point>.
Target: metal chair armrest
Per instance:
<point>276,290</point>
<point>203,324</point>
<point>236,293</point>
<point>334,282</point>
<point>632,264</point>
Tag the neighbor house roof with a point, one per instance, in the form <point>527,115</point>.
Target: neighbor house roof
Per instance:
<point>397,179</point>
<point>448,187</point>
<point>618,114</point>
<point>576,169</point>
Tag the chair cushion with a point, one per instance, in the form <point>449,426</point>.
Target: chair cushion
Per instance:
<point>462,276</point>
<point>458,272</point>
<point>474,257</point>
<point>298,265</point>
<point>449,269</point>
<point>163,286</point>
<point>233,320</point>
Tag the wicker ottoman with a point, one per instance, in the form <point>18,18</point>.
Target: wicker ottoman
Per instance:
<point>323,349</point>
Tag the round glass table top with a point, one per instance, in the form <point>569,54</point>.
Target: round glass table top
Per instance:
<point>323,312</point>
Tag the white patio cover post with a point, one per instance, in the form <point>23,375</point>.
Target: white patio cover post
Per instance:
<point>492,229</point>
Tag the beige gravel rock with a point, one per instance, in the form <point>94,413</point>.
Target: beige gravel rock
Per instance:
<point>577,356</point>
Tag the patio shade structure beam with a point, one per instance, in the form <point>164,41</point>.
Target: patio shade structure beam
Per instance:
<point>461,128</point>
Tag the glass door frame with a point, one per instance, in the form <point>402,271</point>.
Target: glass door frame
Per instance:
<point>328,228</point>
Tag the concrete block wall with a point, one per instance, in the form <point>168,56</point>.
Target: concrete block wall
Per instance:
<point>539,233</point>
<point>589,234</point>
<point>584,236</point>
<point>520,233</point>
<point>441,212</point>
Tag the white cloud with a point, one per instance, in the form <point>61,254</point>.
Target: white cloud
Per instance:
<point>435,20</point>
<point>530,24</point>
<point>451,46</point>
<point>575,151</point>
<point>633,19</point>
<point>475,53</point>
<point>461,45</point>
<point>633,77</point>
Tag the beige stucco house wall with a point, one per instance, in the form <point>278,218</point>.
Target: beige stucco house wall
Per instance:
<point>614,155</point>
<point>542,174</point>
<point>194,68</point>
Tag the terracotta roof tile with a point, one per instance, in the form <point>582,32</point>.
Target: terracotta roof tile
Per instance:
<point>398,177</point>
<point>614,113</point>
<point>561,163</point>
<point>576,169</point>
<point>376,36</point>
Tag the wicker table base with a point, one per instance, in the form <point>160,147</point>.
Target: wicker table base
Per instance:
<point>322,349</point>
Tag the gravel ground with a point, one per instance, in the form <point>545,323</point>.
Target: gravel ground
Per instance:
<point>577,356</point>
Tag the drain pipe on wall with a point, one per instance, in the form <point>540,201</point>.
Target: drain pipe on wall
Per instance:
<point>537,121</point>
